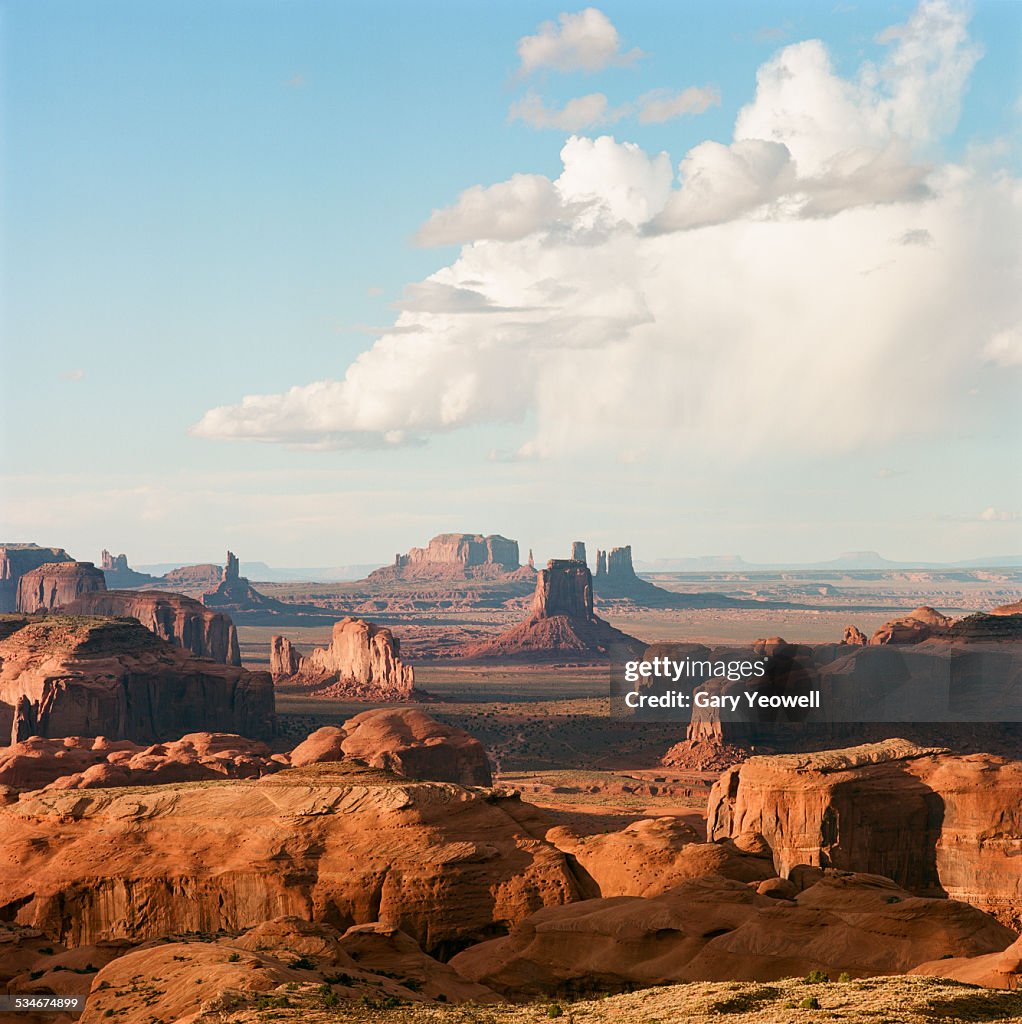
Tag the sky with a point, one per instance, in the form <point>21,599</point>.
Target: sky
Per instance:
<point>317,281</point>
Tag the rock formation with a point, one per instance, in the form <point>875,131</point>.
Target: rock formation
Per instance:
<point>56,584</point>
<point>120,575</point>
<point>616,580</point>
<point>1015,608</point>
<point>336,844</point>
<point>935,822</point>
<point>362,663</point>
<point>854,637</point>
<point>991,970</point>
<point>711,928</point>
<point>179,620</point>
<point>77,762</point>
<point>578,551</point>
<point>113,678</point>
<point>561,624</point>
<point>454,556</point>
<point>919,625</point>
<point>18,559</point>
<point>409,742</point>
<point>234,593</point>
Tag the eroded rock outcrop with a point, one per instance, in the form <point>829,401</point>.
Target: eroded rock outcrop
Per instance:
<point>18,559</point>
<point>919,625</point>
<point>362,662</point>
<point>234,593</point>
<point>711,928</point>
<point>337,844</point>
<point>935,822</point>
<point>411,743</point>
<point>119,574</point>
<point>561,624</point>
<point>854,637</point>
<point>56,584</point>
<point>179,620</point>
<point>77,762</point>
<point>114,678</point>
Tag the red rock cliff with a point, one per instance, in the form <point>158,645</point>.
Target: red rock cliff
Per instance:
<point>56,584</point>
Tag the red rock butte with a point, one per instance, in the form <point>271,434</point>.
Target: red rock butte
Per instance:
<point>18,559</point>
<point>455,556</point>
<point>56,584</point>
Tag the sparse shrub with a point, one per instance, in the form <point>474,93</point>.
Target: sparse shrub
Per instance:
<point>893,899</point>
<point>810,1003</point>
<point>302,963</point>
<point>791,1005</point>
<point>844,976</point>
<point>816,978</point>
<point>555,1010</point>
<point>234,958</point>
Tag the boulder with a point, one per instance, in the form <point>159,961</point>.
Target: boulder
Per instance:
<point>319,747</point>
<point>914,628</point>
<point>56,584</point>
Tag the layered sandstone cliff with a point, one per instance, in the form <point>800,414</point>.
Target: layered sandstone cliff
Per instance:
<point>454,556</point>
<point>937,823</point>
<point>63,676</point>
<point>332,843</point>
<point>179,620</point>
<point>56,584</point>
<point>362,662</point>
<point>18,559</point>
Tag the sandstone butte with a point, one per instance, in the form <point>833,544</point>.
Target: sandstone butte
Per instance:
<point>233,592</point>
<point>937,823</point>
<point>456,556</point>
<point>712,928</point>
<point>362,662</point>
<point>407,742</point>
<point>67,676</point>
<point>56,584</point>
<point>340,844</point>
<point>18,559</point>
<point>179,620</point>
<point>561,623</point>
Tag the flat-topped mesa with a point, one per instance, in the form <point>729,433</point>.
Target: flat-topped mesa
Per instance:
<point>119,574</point>
<point>455,555</point>
<point>179,620</point>
<point>564,587</point>
<point>76,676</point>
<point>18,559</point>
<point>57,584</point>
<point>362,663</point>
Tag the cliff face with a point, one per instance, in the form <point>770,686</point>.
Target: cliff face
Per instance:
<point>179,620</point>
<point>363,661</point>
<point>330,843</point>
<point>935,822</point>
<point>119,574</point>
<point>564,587</point>
<point>57,584</point>
<point>454,556</point>
<point>18,559</point>
<point>112,677</point>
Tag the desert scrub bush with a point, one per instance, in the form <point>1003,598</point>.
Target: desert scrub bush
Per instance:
<point>810,1003</point>
<point>555,1010</point>
<point>844,976</point>
<point>816,978</point>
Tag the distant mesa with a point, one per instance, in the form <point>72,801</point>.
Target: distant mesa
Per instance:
<point>561,624</point>
<point>69,676</point>
<point>362,663</point>
<point>18,559</point>
<point>1015,608</point>
<point>202,577</point>
<point>178,619</point>
<point>56,584</point>
<point>455,556</point>
<point>119,575</point>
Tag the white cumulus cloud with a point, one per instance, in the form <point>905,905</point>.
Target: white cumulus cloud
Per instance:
<point>578,113</point>
<point>586,41</point>
<point>779,295</point>
<point>663,105</point>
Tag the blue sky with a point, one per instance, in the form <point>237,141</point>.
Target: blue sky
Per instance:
<point>204,201</point>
